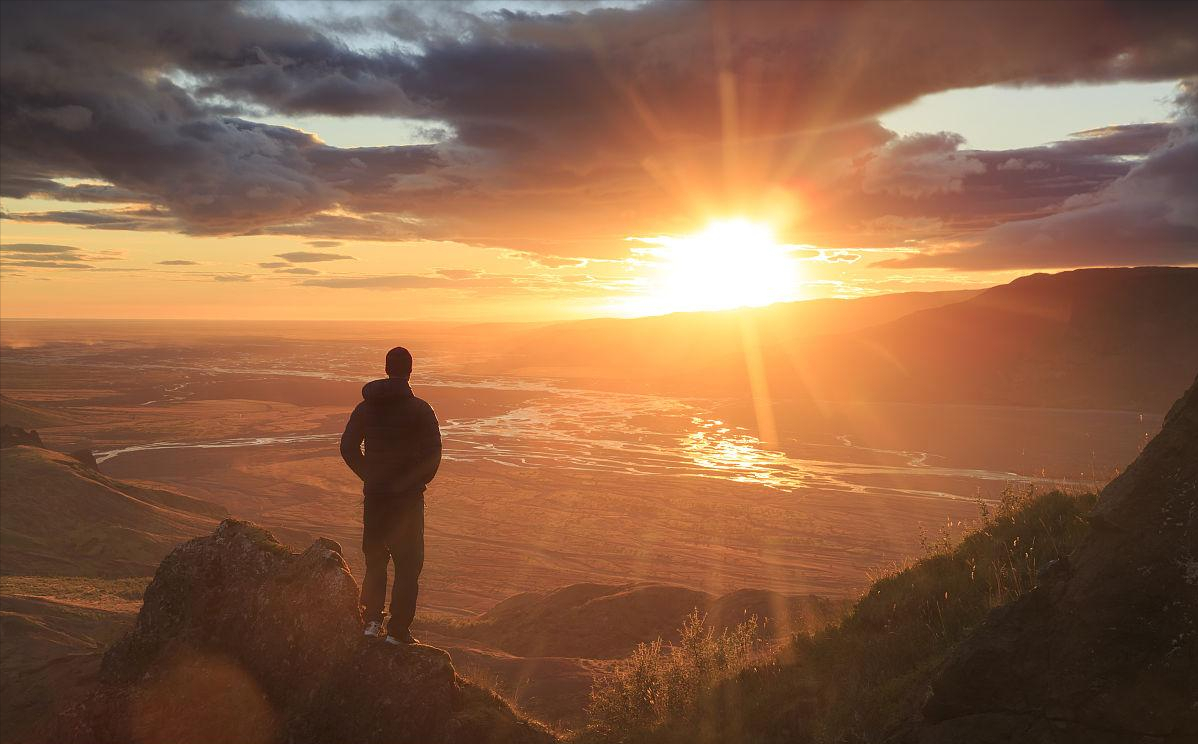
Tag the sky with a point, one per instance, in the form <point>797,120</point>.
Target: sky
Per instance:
<point>537,161</point>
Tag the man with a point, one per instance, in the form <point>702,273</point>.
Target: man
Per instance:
<point>393,444</point>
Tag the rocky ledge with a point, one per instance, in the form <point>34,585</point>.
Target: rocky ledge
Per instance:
<point>242,640</point>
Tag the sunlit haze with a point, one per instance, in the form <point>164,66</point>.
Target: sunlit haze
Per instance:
<point>731,263</point>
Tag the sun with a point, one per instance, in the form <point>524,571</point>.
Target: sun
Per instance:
<point>732,263</point>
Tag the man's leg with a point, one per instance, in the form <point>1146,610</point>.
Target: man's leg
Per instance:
<point>374,548</point>
<point>407,551</point>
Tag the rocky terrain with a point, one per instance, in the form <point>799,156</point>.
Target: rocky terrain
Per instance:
<point>240,639</point>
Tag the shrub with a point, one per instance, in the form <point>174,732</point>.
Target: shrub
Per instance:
<point>659,681</point>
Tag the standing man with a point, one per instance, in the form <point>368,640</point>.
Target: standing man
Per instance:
<point>392,442</point>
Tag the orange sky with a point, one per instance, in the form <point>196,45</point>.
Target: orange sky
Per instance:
<point>413,162</point>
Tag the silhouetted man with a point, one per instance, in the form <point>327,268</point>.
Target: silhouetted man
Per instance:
<point>393,444</point>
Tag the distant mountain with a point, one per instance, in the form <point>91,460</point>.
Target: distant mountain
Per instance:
<point>60,518</point>
<point>1092,338</point>
<point>668,348</point>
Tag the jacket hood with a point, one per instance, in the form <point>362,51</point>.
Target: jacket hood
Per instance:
<point>388,387</point>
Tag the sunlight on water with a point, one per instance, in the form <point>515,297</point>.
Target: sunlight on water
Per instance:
<point>739,456</point>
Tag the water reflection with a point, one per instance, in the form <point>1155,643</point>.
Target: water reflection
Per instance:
<point>738,455</point>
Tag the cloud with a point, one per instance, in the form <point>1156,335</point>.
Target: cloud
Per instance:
<point>920,165</point>
<point>626,130</point>
<point>178,262</point>
<point>399,281</point>
<point>324,243</point>
<point>1017,164</point>
<point>312,257</point>
<point>51,256</point>
<point>1147,215</point>
<point>232,277</point>
<point>297,270</point>
<point>273,265</point>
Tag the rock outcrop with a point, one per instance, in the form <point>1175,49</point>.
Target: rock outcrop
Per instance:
<point>1105,650</point>
<point>14,436</point>
<point>241,640</point>
<point>87,457</point>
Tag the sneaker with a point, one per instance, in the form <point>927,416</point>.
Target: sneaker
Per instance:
<point>374,629</point>
<point>403,639</point>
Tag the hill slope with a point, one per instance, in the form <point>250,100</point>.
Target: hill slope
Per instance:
<point>60,518</point>
<point>1106,648</point>
<point>669,349</point>
<point>1092,338</point>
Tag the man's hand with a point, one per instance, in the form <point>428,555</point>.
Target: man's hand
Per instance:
<point>351,444</point>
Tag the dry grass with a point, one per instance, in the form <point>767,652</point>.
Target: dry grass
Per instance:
<point>660,681</point>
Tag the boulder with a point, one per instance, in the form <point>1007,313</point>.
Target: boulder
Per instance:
<point>241,640</point>
<point>12,436</point>
<point>1105,649</point>
<point>87,457</point>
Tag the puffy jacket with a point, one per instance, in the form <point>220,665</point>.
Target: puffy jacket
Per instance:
<point>392,441</point>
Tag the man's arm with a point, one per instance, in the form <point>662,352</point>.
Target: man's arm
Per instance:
<point>430,446</point>
<point>351,443</point>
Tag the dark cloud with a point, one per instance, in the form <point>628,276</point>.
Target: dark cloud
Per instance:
<point>45,188</point>
<point>324,243</point>
<point>232,277</point>
<point>1146,215</point>
<point>273,265</point>
<point>45,263</point>
<point>920,165</point>
<point>1011,185</point>
<point>50,256</point>
<point>297,270</point>
<point>565,132</point>
<point>178,262</point>
<point>312,257</point>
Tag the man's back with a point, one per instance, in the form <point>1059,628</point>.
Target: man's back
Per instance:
<point>392,441</point>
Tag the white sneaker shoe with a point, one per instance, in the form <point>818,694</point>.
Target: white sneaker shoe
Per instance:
<point>374,629</point>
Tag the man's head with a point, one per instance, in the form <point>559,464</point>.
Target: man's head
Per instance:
<point>399,362</point>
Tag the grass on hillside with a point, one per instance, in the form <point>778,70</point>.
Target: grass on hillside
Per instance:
<point>857,681</point>
<point>80,589</point>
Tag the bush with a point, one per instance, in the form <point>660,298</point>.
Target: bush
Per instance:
<point>660,682</point>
